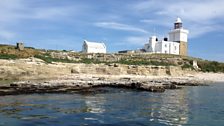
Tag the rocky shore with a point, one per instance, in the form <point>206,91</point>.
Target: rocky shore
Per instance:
<point>73,78</point>
<point>85,83</point>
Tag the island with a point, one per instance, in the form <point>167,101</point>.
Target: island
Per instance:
<point>29,70</point>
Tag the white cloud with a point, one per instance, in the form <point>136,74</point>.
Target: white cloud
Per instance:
<point>159,22</point>
<point>136,40</point>
<point>17,10</point>
<point>146,6</point>
<point>197,12</point>
<point>131,41</point>
<point>53,13</point>
<point>200,17</point>
<point>147,21</point>
<point>58,42</point>
<point>119,26</point>
<point>15,14</point>
<point>9,10</point>
<point>198,31</point>
<point>193,10</point>
<point>139,17</point>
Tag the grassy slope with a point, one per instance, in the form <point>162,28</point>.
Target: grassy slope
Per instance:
<point>9,52</point>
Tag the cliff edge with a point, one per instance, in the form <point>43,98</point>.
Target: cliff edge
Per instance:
<point>33,68</point>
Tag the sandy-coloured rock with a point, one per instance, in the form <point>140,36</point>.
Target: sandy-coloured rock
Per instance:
<point>33,68</point>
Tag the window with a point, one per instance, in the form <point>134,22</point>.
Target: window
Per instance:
<point>175,48</point>
<point>165,45</point>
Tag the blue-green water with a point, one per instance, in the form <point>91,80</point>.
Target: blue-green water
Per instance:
<point>191,106</point>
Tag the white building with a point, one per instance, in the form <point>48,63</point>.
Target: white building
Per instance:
<point>175,44</point>
<point>93,47</point>
<point>162,46</point>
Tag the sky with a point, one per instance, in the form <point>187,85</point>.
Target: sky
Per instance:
<point>120,24</point>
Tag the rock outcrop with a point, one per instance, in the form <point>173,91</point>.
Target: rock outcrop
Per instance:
<point>77,84</point>
<point>32,68</point>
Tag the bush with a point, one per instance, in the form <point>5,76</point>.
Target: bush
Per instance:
<point>187,66</point>
<point>8,56</point>
<point>211,66</point>
<point>29,47</point>
<point>144,62</point>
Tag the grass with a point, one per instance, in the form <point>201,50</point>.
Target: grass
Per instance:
<point>48,59</point>
<point>211,66</point>
<point>8,56</point>
<point>205,66</point>
<point>9,52</point>
<point>144,62</point>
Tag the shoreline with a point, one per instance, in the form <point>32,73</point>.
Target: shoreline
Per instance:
<point>200,76</point>
<point>75,83</point>
<point>26,76</point>
<point>214,77</point>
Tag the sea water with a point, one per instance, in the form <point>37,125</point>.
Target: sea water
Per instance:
<point>191,106</point>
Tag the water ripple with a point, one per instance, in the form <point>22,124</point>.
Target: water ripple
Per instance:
<point>189,106</point>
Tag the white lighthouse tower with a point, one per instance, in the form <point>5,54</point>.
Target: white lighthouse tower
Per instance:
<point>179,34</point>
<point>176,43</point>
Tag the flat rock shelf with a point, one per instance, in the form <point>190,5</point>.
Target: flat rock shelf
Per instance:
<point>84,85</point>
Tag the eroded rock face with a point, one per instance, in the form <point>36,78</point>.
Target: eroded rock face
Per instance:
<point>127,70</point>
<point>37,69</point>
<point>29,69</point>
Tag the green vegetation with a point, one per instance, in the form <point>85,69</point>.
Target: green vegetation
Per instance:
<point>211,66</point>
<point>49,59</point>
<point>10,52</point>
<point>8,56</point>
<point>29,47</point>
<point>187,66</point>
<point>145,62</point>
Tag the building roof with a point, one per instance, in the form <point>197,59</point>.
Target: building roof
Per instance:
<point>95,44</point>
<point>178,20</point>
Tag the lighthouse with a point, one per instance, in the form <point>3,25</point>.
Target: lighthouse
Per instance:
<point>176,44</point>
<point>180,35</point>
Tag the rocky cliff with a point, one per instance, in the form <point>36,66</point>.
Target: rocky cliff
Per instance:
<point>32,68</point>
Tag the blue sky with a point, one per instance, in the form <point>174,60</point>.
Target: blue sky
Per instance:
<point>121,24</point>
